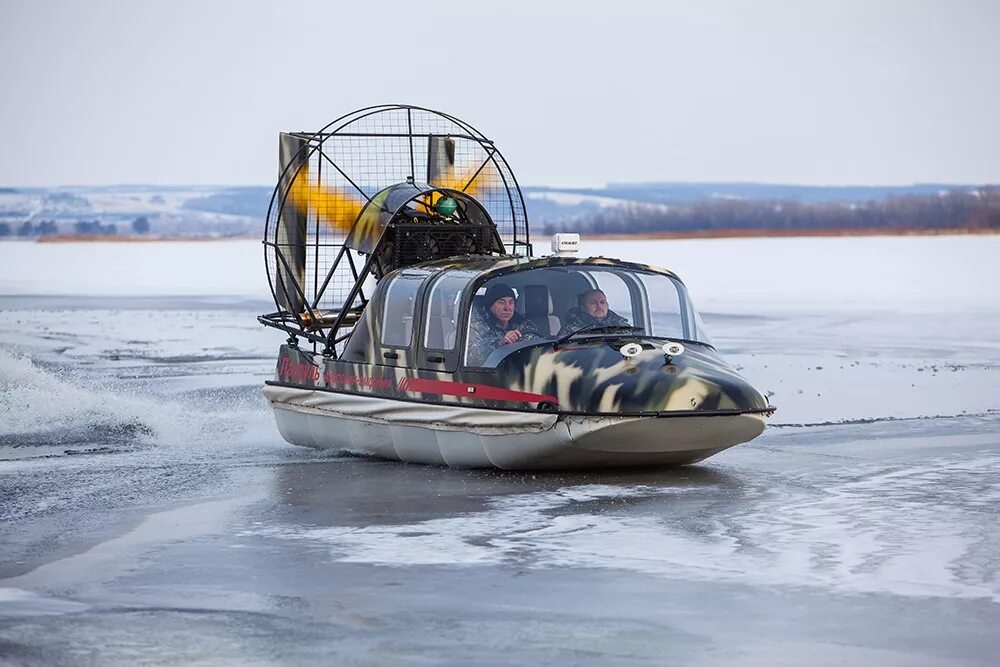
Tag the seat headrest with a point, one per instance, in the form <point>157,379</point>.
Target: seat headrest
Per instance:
<point>537,300</point>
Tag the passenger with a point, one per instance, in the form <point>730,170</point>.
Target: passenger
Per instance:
<point>495,324</point>
<point>593,311</point>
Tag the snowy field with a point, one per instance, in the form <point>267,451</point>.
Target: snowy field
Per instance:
<point>898,274</point>
<point>149,511</point>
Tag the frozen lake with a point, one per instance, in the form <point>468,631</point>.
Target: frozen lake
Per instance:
<point>150,513</point>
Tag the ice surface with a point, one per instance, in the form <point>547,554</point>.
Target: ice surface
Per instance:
<point>835,541</point>
<point>149,509</point>
<point>17,602</point>
<point>835,329</point>
<point>166,268</point>
<point>888,274</point>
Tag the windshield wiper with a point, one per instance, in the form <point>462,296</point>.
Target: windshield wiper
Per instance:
<point>597,328</point>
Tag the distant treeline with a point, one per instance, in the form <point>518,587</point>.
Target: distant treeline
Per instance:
<point>82,227</point>
<point>958,209</point>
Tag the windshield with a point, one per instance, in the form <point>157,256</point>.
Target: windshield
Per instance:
<point>525,307</point>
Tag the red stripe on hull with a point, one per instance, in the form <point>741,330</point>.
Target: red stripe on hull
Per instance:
<point>482,391</point>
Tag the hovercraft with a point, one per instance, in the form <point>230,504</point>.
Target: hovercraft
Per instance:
<point>422,328</point>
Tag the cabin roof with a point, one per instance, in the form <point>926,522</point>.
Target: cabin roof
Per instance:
<point>503,263</point>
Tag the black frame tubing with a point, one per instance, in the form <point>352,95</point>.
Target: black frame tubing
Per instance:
<point>330,350</point>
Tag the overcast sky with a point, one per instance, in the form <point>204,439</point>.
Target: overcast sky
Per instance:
<point>574,93</point>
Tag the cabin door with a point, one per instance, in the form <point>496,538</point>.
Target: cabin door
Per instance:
<point>438,350</point>
<point>398,330</point>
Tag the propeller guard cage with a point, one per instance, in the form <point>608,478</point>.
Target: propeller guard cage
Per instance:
<point>356,200</point>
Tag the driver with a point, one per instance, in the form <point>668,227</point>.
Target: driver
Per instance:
<point>593,311</point>
<point>497,324</point>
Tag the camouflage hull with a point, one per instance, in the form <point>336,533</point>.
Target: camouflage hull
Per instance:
<point>471,437</point>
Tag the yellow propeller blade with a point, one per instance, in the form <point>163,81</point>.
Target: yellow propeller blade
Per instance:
<point>475,184</point>
<point>338,208</point>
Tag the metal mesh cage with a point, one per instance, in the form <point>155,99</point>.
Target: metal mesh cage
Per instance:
<point>327,177</point>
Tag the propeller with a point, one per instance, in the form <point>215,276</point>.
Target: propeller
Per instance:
<point>474,181</point>
<point>336,207</point>
<point>339,208</point>
<point>442,171</point>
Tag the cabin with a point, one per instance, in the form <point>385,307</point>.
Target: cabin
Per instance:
<point>420,316</point>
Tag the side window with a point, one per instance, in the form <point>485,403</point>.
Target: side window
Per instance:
<point>443,311</point>
<point>400,302</point>
<point>664,306</point>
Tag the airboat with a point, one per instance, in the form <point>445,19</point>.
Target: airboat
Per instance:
<point>398,253</point>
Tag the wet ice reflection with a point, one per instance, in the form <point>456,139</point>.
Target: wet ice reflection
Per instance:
<point>858,526</point>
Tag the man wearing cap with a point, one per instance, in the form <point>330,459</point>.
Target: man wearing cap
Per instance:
<point>496,324</point>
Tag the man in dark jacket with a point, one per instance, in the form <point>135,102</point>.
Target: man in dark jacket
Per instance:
<point>497,324</point>
<point>593,311</point>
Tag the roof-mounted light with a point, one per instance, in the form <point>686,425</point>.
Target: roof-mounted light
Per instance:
<point>565,244</point>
